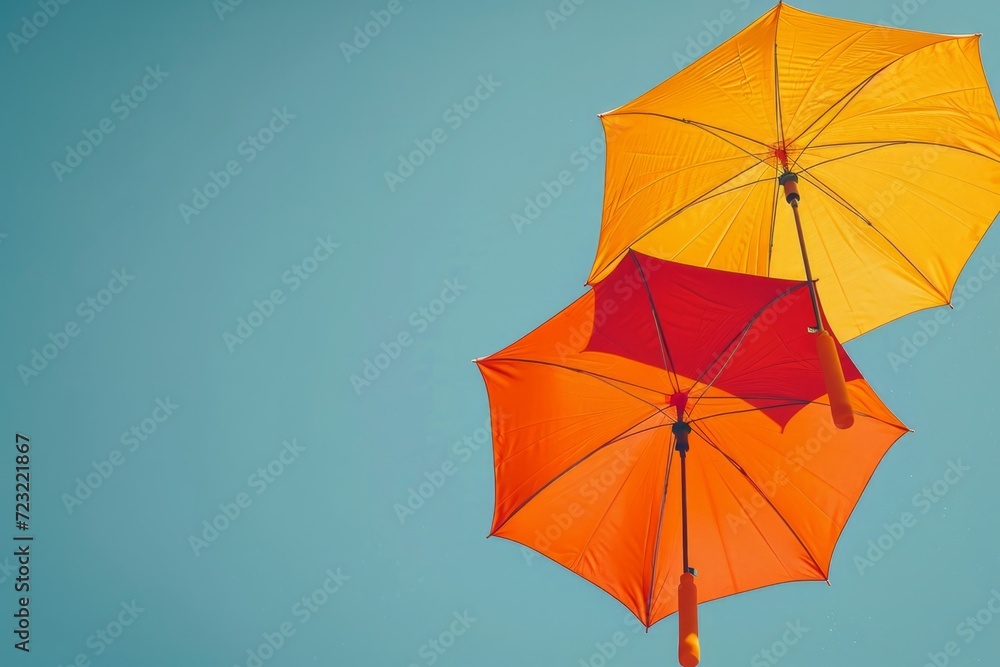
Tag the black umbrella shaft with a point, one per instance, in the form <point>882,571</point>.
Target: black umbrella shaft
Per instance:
<point>684,508</point>
<point>681,429</point>
<point>805,261</point>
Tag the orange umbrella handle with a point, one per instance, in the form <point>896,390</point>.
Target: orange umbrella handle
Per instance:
<point>833,376</point>
<point>688,647</point>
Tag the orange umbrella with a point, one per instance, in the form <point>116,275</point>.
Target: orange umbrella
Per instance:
<point>888,139</point>
<point>719,368</point>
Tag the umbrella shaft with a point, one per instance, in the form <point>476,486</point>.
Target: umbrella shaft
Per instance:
<point>805,262</point>
<point>684,509</point>
<point>681,429</point>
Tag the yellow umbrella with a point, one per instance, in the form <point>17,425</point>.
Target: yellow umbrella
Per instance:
<point>888,139</point>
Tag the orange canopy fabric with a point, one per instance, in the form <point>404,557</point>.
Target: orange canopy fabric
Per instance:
<point>586,471</point>
<point>894,135</point>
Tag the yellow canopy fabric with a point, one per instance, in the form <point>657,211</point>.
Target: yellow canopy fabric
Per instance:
<point>894,135</point>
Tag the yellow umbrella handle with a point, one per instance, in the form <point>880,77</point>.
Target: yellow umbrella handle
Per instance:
<point>688,647</point>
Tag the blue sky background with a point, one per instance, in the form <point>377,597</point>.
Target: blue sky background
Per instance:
<point>332,507</point>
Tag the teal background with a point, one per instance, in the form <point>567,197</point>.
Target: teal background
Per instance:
<point>333,507</point>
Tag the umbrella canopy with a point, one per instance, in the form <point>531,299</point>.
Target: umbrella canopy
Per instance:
<point>584,412</point>
<point>893,137</point>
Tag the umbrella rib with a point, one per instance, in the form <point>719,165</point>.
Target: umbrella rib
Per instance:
<point>778,398</point>
<point>741,338</point>
<point>844,157</point>
<point>857,91</point>
<point>853,93</point>
<point>597,526</point>
<point>832,194</point>
<point>603,378</point>
<point>659,529</point>
<point>777,95</point>
<point>949,175</point>
<point>728,397</point>
<point>602,333</point>
<point>705,196</point>
<point>664,175</point>
<point>732,223</point>
<point>769,407</point>
<point>705,127</point>
<point>763,495</point>
<point>718,530</point>
<point>785,398</point>
<point>888,143</point>
<point>618,438</point>
<point>750,519</point>
<point>774,218</point>
<point>742,334</point>
<point>668,361</point>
